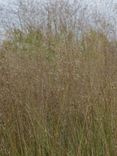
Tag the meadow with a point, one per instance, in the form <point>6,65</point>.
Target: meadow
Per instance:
<point>58,91</point>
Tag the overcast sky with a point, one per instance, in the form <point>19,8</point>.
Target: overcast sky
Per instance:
<point>102,5</point>
<point>105,7</point>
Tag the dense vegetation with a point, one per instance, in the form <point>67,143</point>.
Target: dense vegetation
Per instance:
<point>58,92</point>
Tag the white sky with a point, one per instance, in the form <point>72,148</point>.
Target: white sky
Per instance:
<point>98,3</point>
<point>105,7</point>
<point>102,5</point>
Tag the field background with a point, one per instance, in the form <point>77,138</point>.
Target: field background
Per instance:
<point>58,82</point>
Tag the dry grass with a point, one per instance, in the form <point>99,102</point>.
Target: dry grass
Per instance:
<point>58,95</point>
<point>59,101</point>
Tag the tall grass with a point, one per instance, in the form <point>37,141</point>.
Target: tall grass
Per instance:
<point>58,94</point>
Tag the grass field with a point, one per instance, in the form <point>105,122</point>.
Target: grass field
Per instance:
<point>58,95</point>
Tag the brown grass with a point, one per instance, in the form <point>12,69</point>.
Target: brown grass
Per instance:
<point>58,95</point>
